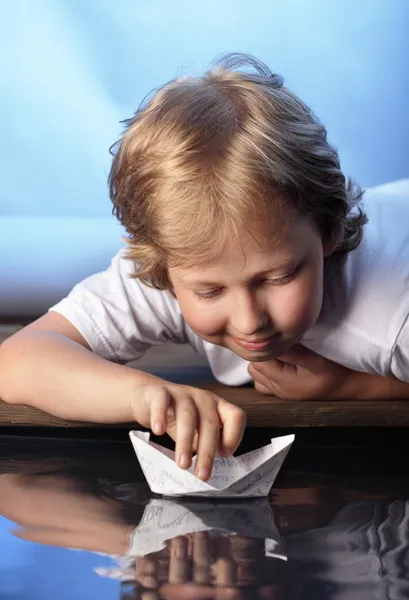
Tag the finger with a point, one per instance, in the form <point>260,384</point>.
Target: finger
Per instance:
<point>162,559</point>
<point>209,434</point>
<point>195,441</point>
<point>226,571</point>
<point>159,407</point>
<point>267,382</point>
<point>163,571</point>
<point>201,557</point>
<point>270,368</point>
<point>186,425</point>
<point>262,388</point>
<point>187,591</point>
<point>179,565</point>
<point>228,593</point>
<point>225,568</point>
<point>247,552</point>
<point>233,421</point>
<point>146,573</point>
<point>300,355</point>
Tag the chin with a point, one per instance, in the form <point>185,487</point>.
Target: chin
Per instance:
<point>257,356</point>
<point>263,355</point>
<point>264,358</point>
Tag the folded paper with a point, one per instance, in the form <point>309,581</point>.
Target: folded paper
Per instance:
<point>248,475</point>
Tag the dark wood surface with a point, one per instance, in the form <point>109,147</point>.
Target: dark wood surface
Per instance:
<point>262,411</point>
<point>168,361</point>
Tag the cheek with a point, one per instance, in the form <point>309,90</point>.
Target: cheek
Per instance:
<point>202,316</point>
<point>296,306</point>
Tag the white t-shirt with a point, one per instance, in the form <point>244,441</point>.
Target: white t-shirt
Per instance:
<point>364,324</point>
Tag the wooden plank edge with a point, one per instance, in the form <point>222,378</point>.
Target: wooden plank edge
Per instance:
<point>262,411</point>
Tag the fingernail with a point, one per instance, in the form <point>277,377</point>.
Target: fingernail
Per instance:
<point>158,427</point>
<point>203,473</point>
<point>184,461</point>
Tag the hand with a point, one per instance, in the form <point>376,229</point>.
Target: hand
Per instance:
<point>300,374</point>
<point>202,567</point>
<point>196,419</point>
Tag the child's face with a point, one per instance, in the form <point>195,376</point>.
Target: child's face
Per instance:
<point>258,301</point>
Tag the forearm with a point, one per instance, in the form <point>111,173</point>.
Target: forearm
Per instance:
<point>364,386</point>
<point>59,376</point>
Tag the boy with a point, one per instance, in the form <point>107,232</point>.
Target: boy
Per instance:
<point>244,239</point>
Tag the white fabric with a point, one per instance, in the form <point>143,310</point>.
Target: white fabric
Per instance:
<point>364,324</point>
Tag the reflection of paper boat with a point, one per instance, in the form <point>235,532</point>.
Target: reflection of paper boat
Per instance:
<point>166,519</point>
<point>249,475</point>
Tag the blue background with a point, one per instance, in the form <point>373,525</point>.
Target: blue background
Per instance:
<point>31,571</point>
<point>72,69</point>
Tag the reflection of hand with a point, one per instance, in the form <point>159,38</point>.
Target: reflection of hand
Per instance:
<point>50,509</point>
<point>200,567</point>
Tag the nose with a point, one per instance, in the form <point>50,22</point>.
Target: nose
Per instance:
<point>248,317</point>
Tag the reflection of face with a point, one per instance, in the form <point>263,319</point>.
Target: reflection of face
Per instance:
<point>300,509</point>
<point>259,300</point>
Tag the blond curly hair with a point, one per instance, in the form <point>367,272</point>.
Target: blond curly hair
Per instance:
<point>200,159</point>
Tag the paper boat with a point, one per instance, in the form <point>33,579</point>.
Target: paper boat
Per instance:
<point>248,475</point>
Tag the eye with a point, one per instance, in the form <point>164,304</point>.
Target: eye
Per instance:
<point>281,280</point>
<point>209,294</point>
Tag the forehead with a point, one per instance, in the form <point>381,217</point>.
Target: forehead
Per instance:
<point>263,249</point>
<point>264,241</point>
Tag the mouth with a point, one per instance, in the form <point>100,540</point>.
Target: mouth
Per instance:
<point>256,345</point>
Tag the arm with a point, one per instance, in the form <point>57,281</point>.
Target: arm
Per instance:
<point>363,386</point>
<point>50,366</point>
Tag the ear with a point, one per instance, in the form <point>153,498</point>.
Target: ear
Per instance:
<point>330,242</point>
<point>329,246</point>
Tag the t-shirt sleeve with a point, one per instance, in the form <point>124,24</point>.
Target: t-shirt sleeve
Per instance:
<point>121,317</point>
<point>400,354</point>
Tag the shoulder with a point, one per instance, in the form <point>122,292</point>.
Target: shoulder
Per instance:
<point>117,290</point>
<point>370,288</point>
<point>118,283</point>
<point>119,315</point>
<point>366,300</point>
<point>379,266</point>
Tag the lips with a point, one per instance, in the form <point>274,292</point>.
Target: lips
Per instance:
<point>258,345</point>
